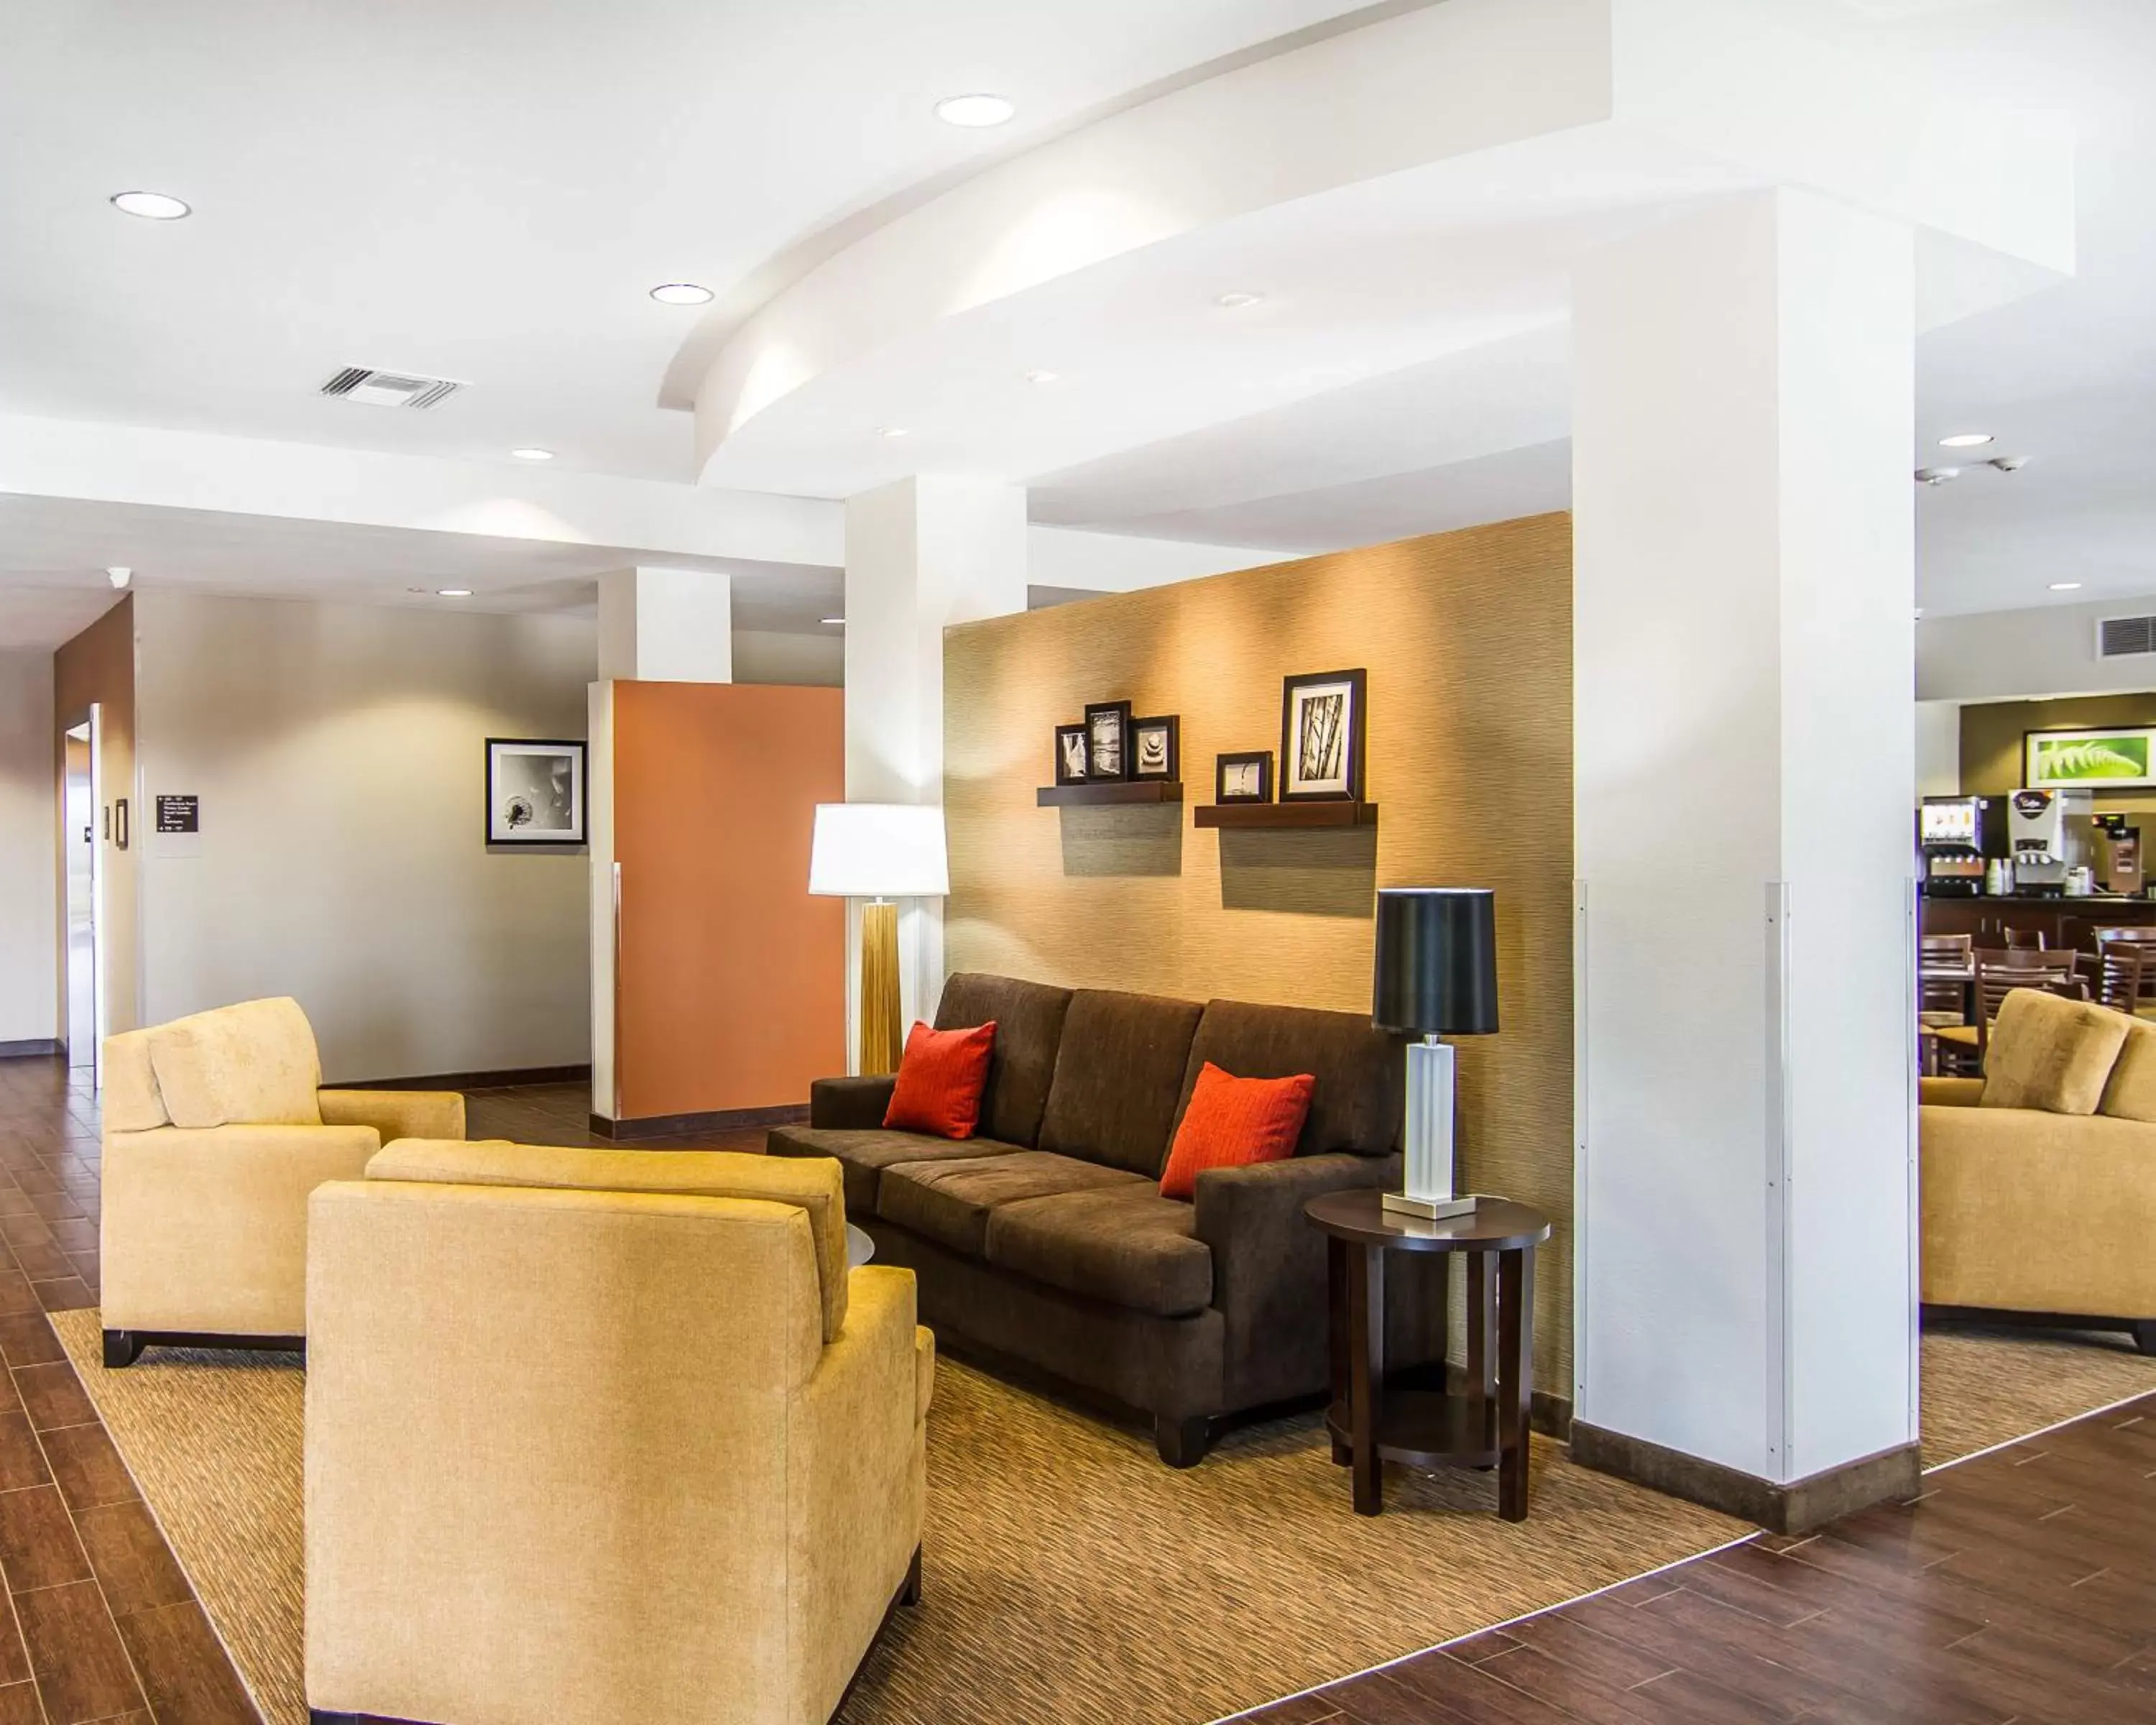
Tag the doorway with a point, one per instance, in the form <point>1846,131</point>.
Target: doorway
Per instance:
<point>80,804</point>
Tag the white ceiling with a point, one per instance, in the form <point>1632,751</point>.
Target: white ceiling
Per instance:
<point>485,192</point>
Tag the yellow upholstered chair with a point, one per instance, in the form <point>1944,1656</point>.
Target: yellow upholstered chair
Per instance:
<point>2038,1182</point>
<point>644,1457</point>
<point>216,1129</point>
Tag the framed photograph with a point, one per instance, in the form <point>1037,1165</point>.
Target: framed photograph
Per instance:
<point>1322,738</point>
<point>1157,747</point>
<point>1243,778</point>
<point>1070,754</point>
<point>2119,759</point>
<point>535,792</point>
<point>1108,740</point>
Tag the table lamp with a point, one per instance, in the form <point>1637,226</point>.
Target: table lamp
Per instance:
<point>878,851</point>
<point>1436,975</point>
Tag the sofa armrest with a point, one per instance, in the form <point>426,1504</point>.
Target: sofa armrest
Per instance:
<point>1268,1264</point>
<point>2028,1211</point>
<point>1949,1092</point>
<point>850,1104</point>
<point>856,1483</point>
<point>396,1114</point>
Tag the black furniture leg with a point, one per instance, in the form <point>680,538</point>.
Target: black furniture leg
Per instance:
<point>910,1593</point>
<point>123,1348</point>
<point>2144,1334</point>
<point>1366,1324</point>
<point>1515,1368</point>
<point>1181,1443</point>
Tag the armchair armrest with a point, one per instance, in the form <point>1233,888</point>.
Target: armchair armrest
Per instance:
<point>850,1104</point>
<point>396,1114</point>
<point>1949,1092</point>
<point>856,1482</point>
<point>1268,1264</point>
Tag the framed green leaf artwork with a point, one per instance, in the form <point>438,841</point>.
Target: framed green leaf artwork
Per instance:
<point>2122,758</point>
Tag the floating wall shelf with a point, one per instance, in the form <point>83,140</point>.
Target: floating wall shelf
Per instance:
<point>1137,790</point>
<point>1286,814</point>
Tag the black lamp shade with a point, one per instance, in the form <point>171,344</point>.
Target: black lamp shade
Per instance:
<point>1436,971</point>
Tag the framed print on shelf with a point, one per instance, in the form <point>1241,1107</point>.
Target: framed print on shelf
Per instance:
<point>1244,778</point>
<point>1157,747</point>
<point>2120,758</point>
<point>1322,738</point>
<point>535,792</point>
<point>1071,755</point>
<point>1107,741</point>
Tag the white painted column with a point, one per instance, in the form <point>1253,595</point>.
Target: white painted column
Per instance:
<point>921,554</point>
<point>655,626</point>
<point>1744,753</point>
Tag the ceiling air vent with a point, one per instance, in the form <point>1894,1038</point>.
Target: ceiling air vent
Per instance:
<point>2125,637</point>
<point>389,389</point>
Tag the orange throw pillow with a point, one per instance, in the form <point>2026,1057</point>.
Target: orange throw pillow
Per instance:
<point>1234,1121</point>
<point>940,1079</point>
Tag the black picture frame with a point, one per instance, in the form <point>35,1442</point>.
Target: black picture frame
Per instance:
<point>1341,743</point>
<point>1107,722</point>
<point>1169,766</point>
<point>1262,759</point>
<point>543,821</point>
<point>1068,737</point>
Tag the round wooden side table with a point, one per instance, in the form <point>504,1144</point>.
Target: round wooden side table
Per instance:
<point>1371,1422</point>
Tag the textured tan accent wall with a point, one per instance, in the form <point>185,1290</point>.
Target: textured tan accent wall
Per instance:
<point>1467,639</point>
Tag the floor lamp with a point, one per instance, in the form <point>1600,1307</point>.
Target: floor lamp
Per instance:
<point>1436,975</point>
<point>881,852</point>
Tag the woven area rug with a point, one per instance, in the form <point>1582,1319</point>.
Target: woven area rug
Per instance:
<point>1070,1576</point>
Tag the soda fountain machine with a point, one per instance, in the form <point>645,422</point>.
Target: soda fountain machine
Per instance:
<point>1957,836</point>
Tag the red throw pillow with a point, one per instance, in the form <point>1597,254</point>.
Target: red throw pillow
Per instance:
<point>940,1079</point>
<point>1233,1122</point>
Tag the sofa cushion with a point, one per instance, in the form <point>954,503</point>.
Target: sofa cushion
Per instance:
<point>1361,1071</point>
<point>1124,1243</point>
<point>949,1202</point>
<point>863,1155</point>
<point>812,1186</point>
<point>1028,1021</point>
<point>1118,1079</point>
<point>250,1065</point>
<point>1231,1122</point>
<point>2050,1054</point>
<point>939,1076</point>
<point>2130,1092</point>
<point>132,1101</point>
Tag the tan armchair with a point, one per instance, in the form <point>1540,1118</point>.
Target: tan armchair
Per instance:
<point>627,1457</point>
<point>216,1130</point>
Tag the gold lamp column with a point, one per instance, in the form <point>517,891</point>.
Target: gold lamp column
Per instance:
<point>881,852</point>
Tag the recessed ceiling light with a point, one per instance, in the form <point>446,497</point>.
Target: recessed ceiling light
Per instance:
<point>835,622</point>
<point>119,578</point>
<point>975,110</point>
<point>1236,301</point>
<point>1965,440</point>
<point>533,454</point>
<point>890,431</point>
<point>454,592</point>
<point>2065,587</point>
<point>1041,376</point>
<point>151,206</point>
<point>680,293</point>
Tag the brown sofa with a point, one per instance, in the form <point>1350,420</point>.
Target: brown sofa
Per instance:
<point>1045,1239</point>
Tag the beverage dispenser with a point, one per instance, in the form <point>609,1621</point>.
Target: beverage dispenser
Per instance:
<point>1957,836</point>
<point>2052,837</point>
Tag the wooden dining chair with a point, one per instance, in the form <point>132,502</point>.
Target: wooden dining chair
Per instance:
<point>1999,973</point>
<point>2126,970</point>
<point>2020,940</point>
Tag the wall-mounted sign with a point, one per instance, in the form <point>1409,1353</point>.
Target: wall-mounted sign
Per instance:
<point>179,814</point>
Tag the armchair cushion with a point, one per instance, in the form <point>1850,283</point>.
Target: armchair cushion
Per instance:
<point>132,1101</point>
<point>812,1186</point>
<point>2130,1094</point>
<point>250,1065</point>
<point>396,1113</point>
<point>1123,1244</point>
<point>2050,1054</point>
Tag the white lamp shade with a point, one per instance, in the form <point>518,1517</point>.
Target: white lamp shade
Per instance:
<point>878,850</point>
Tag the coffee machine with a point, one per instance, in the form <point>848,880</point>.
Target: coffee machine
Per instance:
<point>2052,837</point>
<point>1957,836</point>
<point>2123,866</point>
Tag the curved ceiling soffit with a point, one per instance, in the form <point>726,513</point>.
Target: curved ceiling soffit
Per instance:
<point>1399,86</point>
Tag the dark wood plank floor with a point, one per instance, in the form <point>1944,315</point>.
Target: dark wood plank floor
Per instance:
<point>2018,1588</point>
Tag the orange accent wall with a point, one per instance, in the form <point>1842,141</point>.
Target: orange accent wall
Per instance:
<point>731,989</point>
